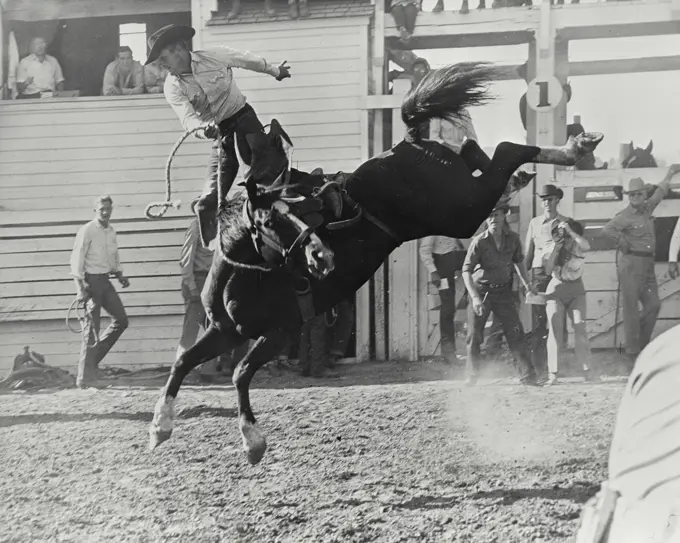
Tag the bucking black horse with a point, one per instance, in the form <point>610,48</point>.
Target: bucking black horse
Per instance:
<point>268,261</point>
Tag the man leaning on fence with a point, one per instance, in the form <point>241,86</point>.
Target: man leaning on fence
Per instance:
<point>93,260</point>
<point>633,231</point>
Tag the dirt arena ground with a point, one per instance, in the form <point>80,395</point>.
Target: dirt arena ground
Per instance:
<point>388,452</point>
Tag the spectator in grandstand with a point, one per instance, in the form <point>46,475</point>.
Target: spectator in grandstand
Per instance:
<point>38,72</point>
<point>123,76</point>
<point>154,78</point>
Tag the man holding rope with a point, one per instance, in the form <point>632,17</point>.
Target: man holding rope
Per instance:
<point>201,90</point>
<point>94,258</point>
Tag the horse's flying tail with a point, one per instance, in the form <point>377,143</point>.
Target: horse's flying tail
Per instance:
<point>444,93</point>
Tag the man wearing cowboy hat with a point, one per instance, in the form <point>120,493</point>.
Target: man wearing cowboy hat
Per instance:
<point>201,89</point>
<point>539,245</point>
<point>488,272</point>
<point>633,230</point>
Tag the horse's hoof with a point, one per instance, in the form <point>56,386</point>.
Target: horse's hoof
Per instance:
<point>254,442</point>
<point>522,179</point>
<point>157,436</point>
<point>160,428</point>
<point>586,142</point>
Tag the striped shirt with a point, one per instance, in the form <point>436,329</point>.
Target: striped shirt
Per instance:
<point>644,459</point>
<point>95,250</point>
<point>209,92</point>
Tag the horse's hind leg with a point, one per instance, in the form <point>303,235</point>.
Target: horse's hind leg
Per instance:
<point>513,155</point>
<point>213,343</point>
<point>260,353</point>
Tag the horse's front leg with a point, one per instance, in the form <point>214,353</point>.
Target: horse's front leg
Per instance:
<point>260,353</point>
<point>212,344</point>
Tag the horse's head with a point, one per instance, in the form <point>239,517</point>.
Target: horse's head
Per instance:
<point>271,160</point>
<point>281,237</point>
<point>640,158</point>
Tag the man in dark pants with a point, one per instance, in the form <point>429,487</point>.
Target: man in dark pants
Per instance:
<point>488,274</point>
<point>319,356</point>
<point>539,245</point>
<point>201,89</point>
<point>93,259</point>
<point>442,257</point>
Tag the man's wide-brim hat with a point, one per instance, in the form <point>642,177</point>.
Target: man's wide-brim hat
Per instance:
<point>550,191</point>
<point>635,185</point>
<point>167,36</point>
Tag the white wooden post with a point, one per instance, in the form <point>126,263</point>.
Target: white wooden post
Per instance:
<point>362,300</point>
<point>403,272</point>
<point>378,68</point>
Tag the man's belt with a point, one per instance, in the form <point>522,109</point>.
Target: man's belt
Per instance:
<point>229,124</point>
<point>642,254</point>
<point>494,286</point>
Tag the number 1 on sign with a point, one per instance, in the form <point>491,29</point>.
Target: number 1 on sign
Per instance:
<point>543,94</point>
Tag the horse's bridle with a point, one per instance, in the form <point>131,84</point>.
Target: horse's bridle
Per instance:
<point>261,238</point>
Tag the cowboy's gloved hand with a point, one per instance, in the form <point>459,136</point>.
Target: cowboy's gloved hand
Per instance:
<point>284,71</point>
<point>435,279</point>
<point>673,169</point>
<point>673,270</point>
<point>124,281</point>
<point>210,131</point>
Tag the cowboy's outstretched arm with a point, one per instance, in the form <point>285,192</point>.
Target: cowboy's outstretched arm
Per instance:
<point>246,60</point>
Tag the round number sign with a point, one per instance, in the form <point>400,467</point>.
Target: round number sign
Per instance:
<point>544,94</point>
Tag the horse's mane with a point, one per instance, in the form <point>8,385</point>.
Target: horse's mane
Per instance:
<point>233,227</point>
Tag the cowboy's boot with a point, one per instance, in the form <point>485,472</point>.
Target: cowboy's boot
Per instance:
<point>304,8</point>
<point>207,223</point>
<point>438,7</point>
<point>235,10</point>
<point>293,9</point>
<point>465,7</point>
<point>268,9</point>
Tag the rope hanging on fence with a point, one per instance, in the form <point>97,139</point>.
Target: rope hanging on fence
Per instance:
<point>168,190</point>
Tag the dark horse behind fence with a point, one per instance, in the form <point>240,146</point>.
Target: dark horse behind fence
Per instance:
<point>416,189</point>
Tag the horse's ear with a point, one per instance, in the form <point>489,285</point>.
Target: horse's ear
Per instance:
<point>649,148</point>
<point>632,146</point>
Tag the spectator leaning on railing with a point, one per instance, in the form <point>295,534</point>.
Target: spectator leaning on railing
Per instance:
<point>124,75</point>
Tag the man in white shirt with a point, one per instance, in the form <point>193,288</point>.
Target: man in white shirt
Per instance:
<point>123,76</point>
<point>539,245</point>
<point>95,257</point>
<point>201,89</point>
<point>38,72</point>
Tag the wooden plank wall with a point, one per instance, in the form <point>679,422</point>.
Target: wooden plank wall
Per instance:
<point>600,276</point>
<point>56,156</point>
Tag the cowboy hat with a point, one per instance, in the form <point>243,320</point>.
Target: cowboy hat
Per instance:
<point>550,191</point>
<point>167,36</point>
<point>635,185</point>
